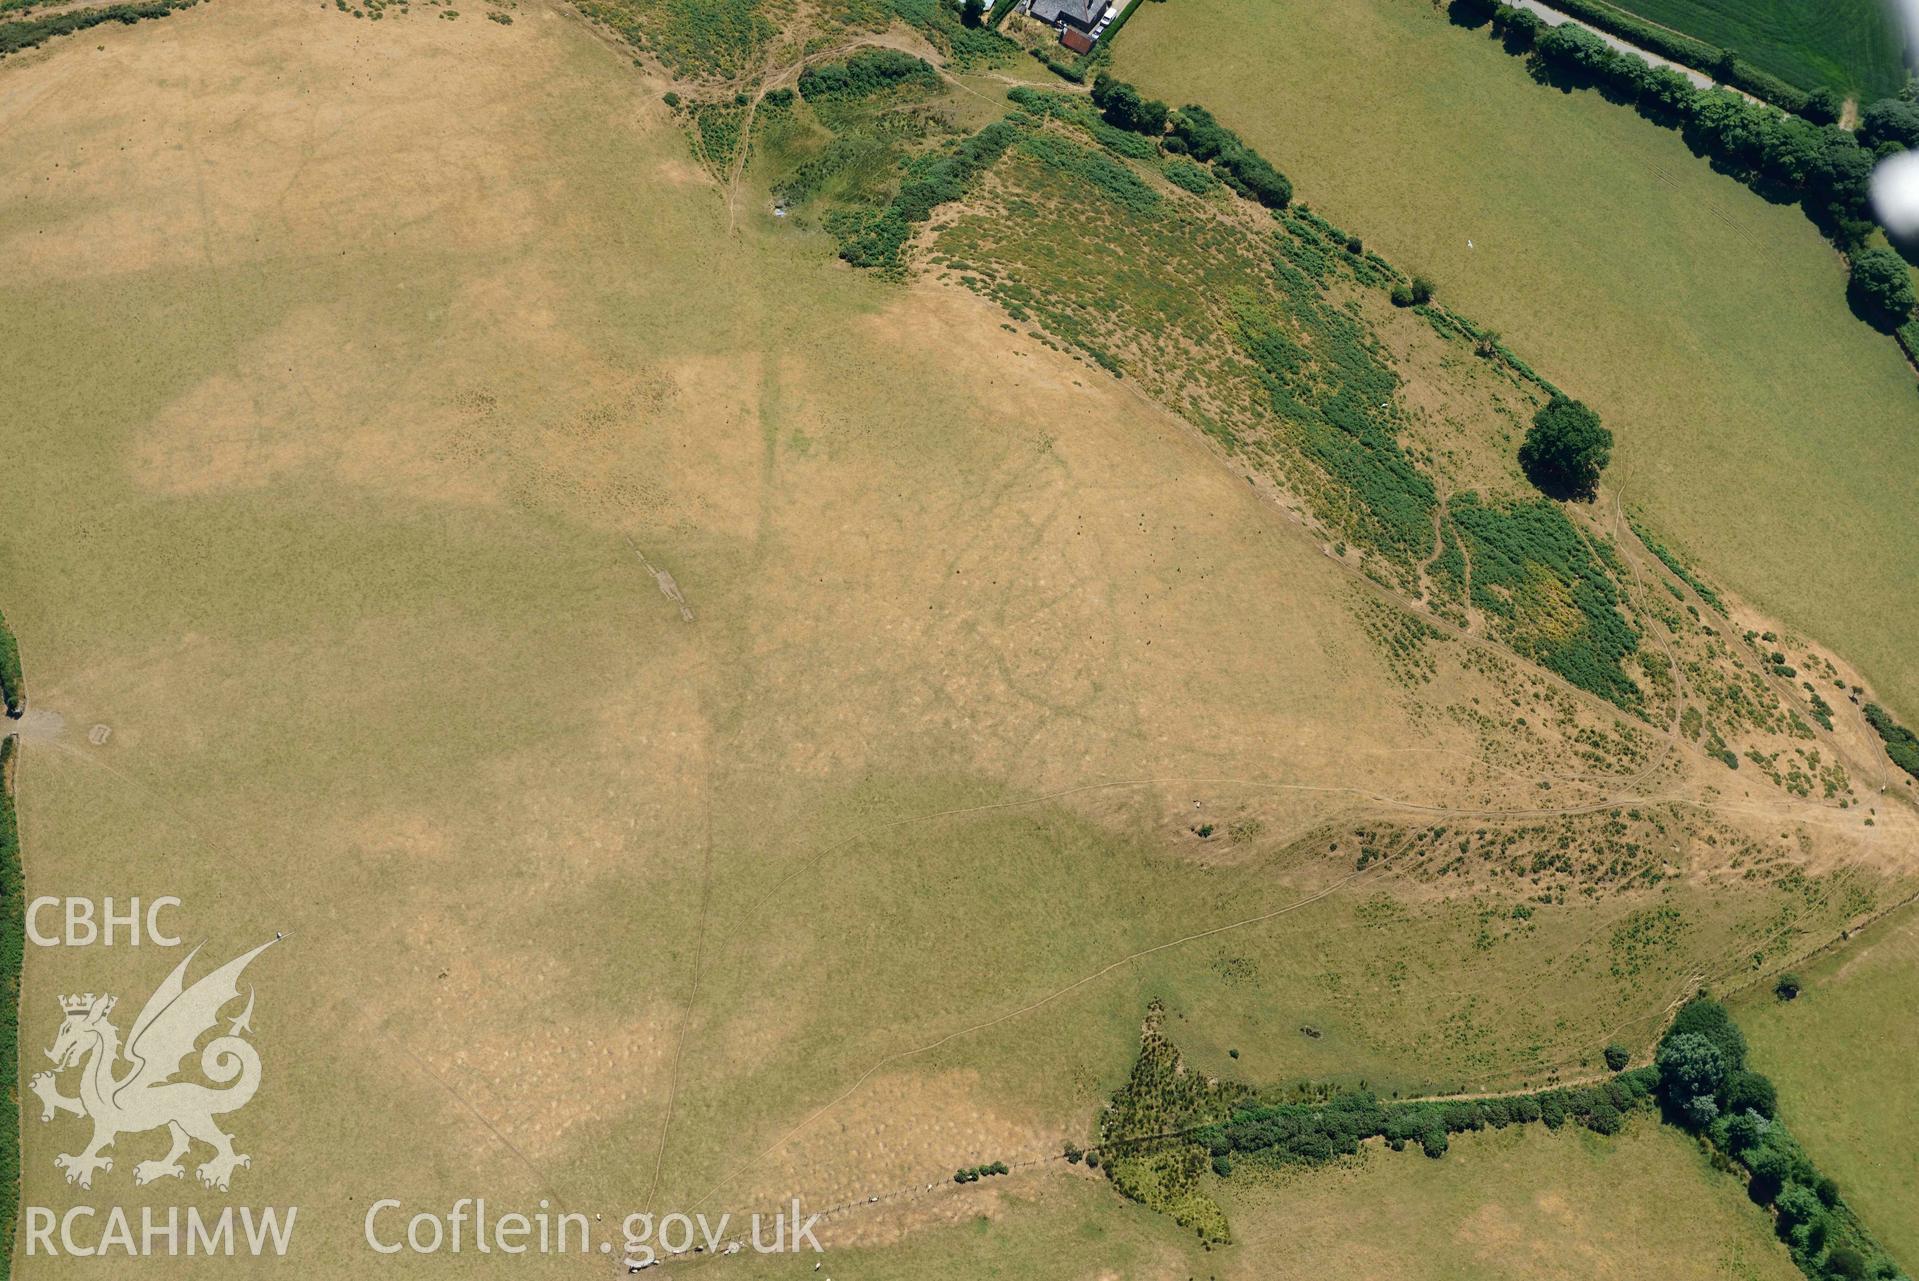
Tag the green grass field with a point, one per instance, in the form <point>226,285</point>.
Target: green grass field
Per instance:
<point>1842,1055</point>
<point>1850,46</point>
<point>1759,423</point>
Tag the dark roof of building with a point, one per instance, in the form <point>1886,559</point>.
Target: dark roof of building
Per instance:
<point>1076,40</point>
<point>1077,13</point>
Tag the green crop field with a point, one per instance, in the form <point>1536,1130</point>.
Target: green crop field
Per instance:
<point>1842,1055</point>
<point>1850,46</point>
<point>1759,422</point>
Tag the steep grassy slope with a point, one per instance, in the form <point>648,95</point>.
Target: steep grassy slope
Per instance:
<point>1760,424</point>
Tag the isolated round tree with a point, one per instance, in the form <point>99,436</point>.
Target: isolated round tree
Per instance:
<point>1566,449</point>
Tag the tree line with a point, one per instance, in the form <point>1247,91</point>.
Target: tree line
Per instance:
<point>1698,1081</point>
<point>13,686</point>
<point>1705,1087</point>
<point>1193,131</point>
<point>13,943</point>
<point>1821,106</point>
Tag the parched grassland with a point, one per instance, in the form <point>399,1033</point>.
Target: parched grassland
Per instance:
<point>1758,422</point>
<point>717,726</point>
<point>344,556</point>
<point>1842,1056</point>
<point>1849,46</point>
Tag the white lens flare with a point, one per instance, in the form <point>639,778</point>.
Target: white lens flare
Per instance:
<point>1895,194</point>
<point>1895,182</point>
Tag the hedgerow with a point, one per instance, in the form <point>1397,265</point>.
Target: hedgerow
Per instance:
<point>1902,745</point>
<point>1199,134</point>
<point>1166,1128</point>
<point>31,32</point>
<point>974,1173</point>
<point>1704,1086</point>
<point>13,685</point>
<point>1076,110</point>
<point>12,949</point>
<point>1127,108</point>
<point>1114,27</point>
<point>1721,64</point>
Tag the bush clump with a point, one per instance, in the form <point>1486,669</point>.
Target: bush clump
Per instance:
<point>1189,176</point>
<point>1527,558</point>
<point>866,73</point>
<point>1126,108</point>
<point>1881,286</point>
<point>876,240</point>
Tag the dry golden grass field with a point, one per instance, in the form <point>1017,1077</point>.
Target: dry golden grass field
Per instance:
<point>717,727</point>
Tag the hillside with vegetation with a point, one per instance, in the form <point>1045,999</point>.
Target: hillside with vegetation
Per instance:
<point>822,604</point>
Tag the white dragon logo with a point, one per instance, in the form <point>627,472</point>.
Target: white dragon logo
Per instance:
<point>145,1096</point>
